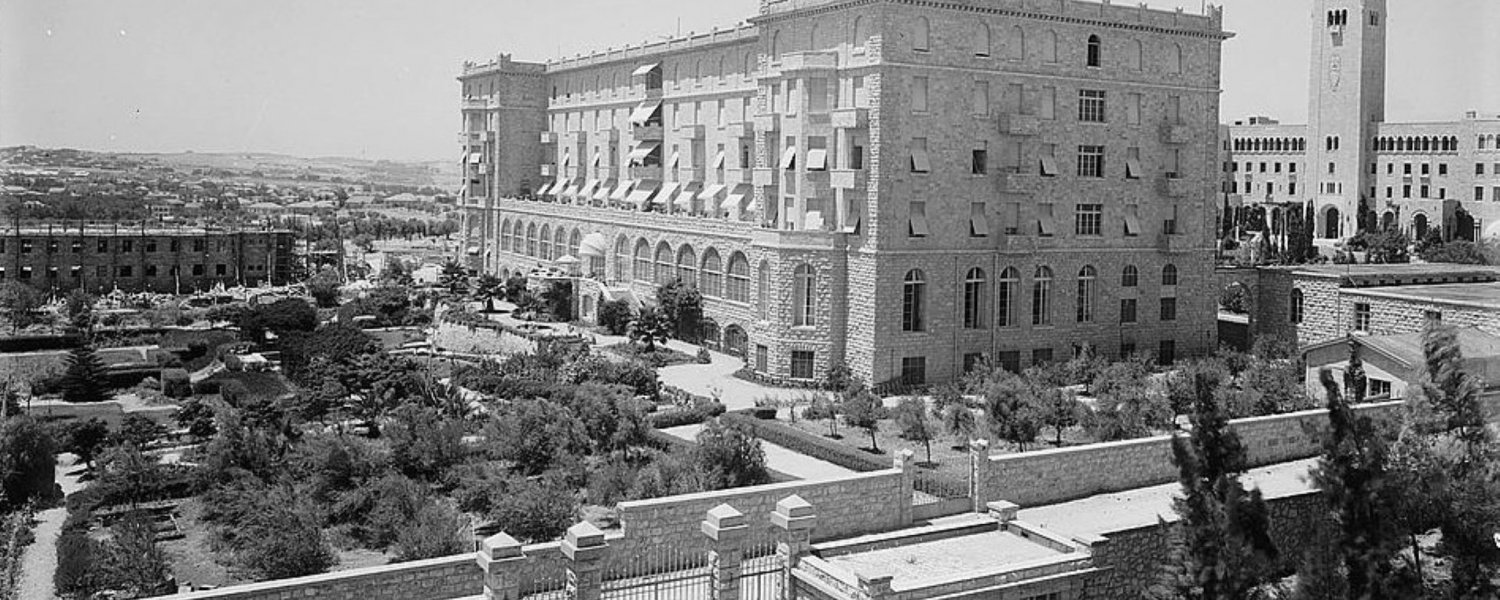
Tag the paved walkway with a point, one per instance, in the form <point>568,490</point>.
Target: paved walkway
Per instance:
<point>718,376</point>
<point>779,458</point>
<point>40,559</point>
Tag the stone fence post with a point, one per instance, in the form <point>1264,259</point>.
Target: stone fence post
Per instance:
<point>875,587</point>
<point>905,462</point>
<point>584,548</point>
<point>726,529</point>
<point>498,557</point>
<point>979,473</point>
<point>794,521</point>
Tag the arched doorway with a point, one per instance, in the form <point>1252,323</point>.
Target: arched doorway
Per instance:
<point>735,341</point>
<point>709,333</point>
<point>1387,220</point>
<point>1419,226</point>
<point>1331,223</point>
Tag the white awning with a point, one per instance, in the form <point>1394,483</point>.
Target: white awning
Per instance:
<point>1045,225</point>
<point>641,150</point>
<point>571,190</point>
<point>623,191</point>
<point>587,191</point>
<point>789,158</point>
<point>476,158</point>
<point>676,160</point>
<point>593,244</point>
<point>667,191</point>
<point>718,161</point>
<point>920,163</point>
<point>709,193</point>
<point>604,190</point>
<point>641,195</point>
<point>690,191</point>
<point>979,222</point>
<point>556,188</point>
<point>1049,166</point>
<point>1132,168</point>
<point>817,159</point>
<point>596,160</point>
<point>645,111</point>
<point>645,69</point>
<point>473,250</point>
<point>917,221</point>
<point>1132,225</point>
<point>738,201</point>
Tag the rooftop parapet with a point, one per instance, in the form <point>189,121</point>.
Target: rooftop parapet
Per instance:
<point>502,63</point>
<point>1211,20</point>
<point>647,48</point>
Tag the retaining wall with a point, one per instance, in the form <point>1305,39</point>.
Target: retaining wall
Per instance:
<point>433,579</point>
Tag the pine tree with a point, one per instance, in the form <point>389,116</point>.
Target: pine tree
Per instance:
<point>83,381</point>
<point>1223,548</point>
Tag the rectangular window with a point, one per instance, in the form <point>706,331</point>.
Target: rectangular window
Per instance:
<point>979,222</point>
<point>1089,219</point>
<point>1091,161</point>
<point>221,270</point>
<point>1379,387</point>
<point>1406,191</point>
<point>802,364</point>
<point>917,221</point>
<point>761,361</point>
<point>919,94</point>
<point>1426,168</point>
<point>980,159</point>
<point>198,270</point>
<point>1133,108</point>
<point>1010,360</point>
<point>151,270</point>
<point>126,271</point>
<point>972,361</point>
<point>1362,317</point>
<point>1442,168</point>
<point>982,98</point>
<point>920,163</point>
<point>1133,163</point>
<point>1049,103</point>
<point>1174,163</point>
<point>1127,310</point>
<point>1041,357</point>
<point>914,370</point>
<point>856,157</point>
<point>1168,309</point>
<point>1091,106</point>
<point>1048,159</point>
<point>1166,352</point>
<point>1478,192</point>
<point>1478,168</point>
<point>1174,110</point>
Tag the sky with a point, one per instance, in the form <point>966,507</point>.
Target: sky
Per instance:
<point>376,78</point>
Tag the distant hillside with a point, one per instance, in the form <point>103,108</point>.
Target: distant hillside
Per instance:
<point>262,166</point>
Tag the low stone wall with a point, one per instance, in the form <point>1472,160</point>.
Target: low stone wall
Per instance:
<point>853,505</point>
<point>433,579</point>
<point>480,340</point>
<point>1052,476</point>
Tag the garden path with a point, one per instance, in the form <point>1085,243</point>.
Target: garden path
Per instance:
<point>718,375</point>
<point>40,559</point>
<point>780,458</point>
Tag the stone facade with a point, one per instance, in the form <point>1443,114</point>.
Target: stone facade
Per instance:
<point>150,259</point>
<point>884,151</point>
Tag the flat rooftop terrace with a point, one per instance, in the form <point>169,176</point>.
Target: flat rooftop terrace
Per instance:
<point>1398,274</point>
<point>1484,295</point>
<point>1141,507</point>
<point>910,565</point>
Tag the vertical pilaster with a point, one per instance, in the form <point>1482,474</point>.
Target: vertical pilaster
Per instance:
<point>905,461</point>
<point>726,529</point>
<point>584,548</point>
<point>499,556</point>
<point>794,521</point>
<point>979,476</point>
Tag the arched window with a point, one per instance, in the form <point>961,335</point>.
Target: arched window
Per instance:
<point>861,36</point>
<point>913,288</point>
<point>505,236</point>
<point>574,241</point>
<point>1015,44</point>
<point>776,45</point>
<point>687,265</point>
<point>545,250</point>
<point>1296,307</point>
<point>622,259</point>
<point>1135,55</point>
<point>1049,46</point>
<point>1483,143</point>
<point>812,37</point>
<point>1095,52</point>
<point>1169,276</point>
<point>1005,296</point>
<point>642,270</point>
<point>1174,59</point>
<point>1130,277</point>
<point>531,239</point>
<point>921,33</point>
<point>560,244</point>
<point>762,289</point>
<point>711,279</point>
<point>749,65</point>
<point>1041,297</point>
<point>982,40</point>
<point>1331,223</point>
<point>664,264</point>
<point>1419,226</point>
<point>804,288</point>
<point>1085,300</point>
<point>739,278</point>
<point>975,305</point>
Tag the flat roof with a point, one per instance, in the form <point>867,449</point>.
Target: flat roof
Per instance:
<point>128,230</point>
<point>1394,274</point>
<point>1141,507</point>
<point>910,564</point>
<point>1484,295</point>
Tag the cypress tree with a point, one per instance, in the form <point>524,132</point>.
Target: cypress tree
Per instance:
<point>84,379</point>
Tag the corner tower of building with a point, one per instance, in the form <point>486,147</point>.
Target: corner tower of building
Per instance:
<point>1346,105</point>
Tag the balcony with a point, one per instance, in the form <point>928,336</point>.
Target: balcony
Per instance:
<point>1017,244</point>
<point>847,179</point>
<point>690,174</point>
<point>1019,183</point>
<point>1175,134</point>
<point>765,176</point>
<point>549,137</point>
<point>1020,125</point>
<point>796,238</point>
<point>735,176</point>
<point>740,130</point>
<point>851,118</point>
<point>646,172</point>
<point>691,132</point>
<point>646,133</point>
<point>1176,187</point>
<point>806,61</point>
<point>549,170</point>
<point>479,103</point>
<point>1175,244</point>
<point>768,122</point>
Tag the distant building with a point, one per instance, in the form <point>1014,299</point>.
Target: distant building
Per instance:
<point>1441,177</point>
<point>152,259</point>
<point>1394,364</point>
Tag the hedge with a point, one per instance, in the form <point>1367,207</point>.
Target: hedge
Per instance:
<point>803,442</point>
<point>33,343</point>
<point>677,417</point>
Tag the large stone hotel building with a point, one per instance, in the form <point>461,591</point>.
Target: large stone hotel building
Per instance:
<point>907,187</point>
<point>1420,177</point>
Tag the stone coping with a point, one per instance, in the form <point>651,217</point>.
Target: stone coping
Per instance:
<point>293,587</point>
<point>790,487</point>
<point>1012,573</point>
<point>902,537</point>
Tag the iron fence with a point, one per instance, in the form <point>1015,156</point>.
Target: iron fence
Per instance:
<point>663,573</point>
<point>760,570</point>
<point>552,587</point>
<point>931,487</point>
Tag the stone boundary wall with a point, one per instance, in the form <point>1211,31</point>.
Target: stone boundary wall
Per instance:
<point>847,506</point>
<point>1052,476</point>
<point>432,579</point>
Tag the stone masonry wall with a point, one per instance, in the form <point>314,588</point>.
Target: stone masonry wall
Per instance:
<point>458,338</point>
<point>1390,316</point>
<point>433,579</point>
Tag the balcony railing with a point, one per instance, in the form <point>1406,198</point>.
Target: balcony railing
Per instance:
<point>549,137</point>
<point>851,118</point>
<point>692,132</point>
<point>643,172</point>
<point>479,103</point>
<point>549,170</point>
<point>647,133</point>
<point>740,130</point>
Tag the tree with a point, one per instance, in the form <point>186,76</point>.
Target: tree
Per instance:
<point>614,315</point>
<point>85,439</point>
<point>536,434</point>
<point>912,417</point>
<point>514,287</point>
<point>1010,403</point>
<point>80,310</point>
<point>489,288</point>
<point>863,410</point>
<point>282,538</point>
<point>83,380</point>
<point>730,457</point>
<point>133,564</point>
<point>454,278</point>
<point>1386,247</point>
<point>27,462</point>
<point>534,509</point>
<point>1060,410</point>
<point>1351,477</point>
<point>649,328</point>
<point>558,297</point>
<point>138,432</point>
<point>959,422</point>
<point>682,305</point>
<point>435,530</point>
<point>197,417</point>
<point>396,272</point>
<point>824,408</point>
<point>1457,251</point>
<point>1222,547</point>
<point>324,288</point>
<point>281,316</point>
<point>20,304</point>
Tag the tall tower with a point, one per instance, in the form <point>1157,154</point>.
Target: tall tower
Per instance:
<point>1346,104</point>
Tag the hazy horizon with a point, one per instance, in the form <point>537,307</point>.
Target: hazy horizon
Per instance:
<point>376,79</point>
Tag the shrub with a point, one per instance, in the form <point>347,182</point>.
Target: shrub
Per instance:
<point>534,510</point>
<point>436,530</point>
<point>703,357</point>
<point>76,554</point>
<point>27,462</point>
<point>730,456</point>
<point>614,315</point>
<point>802,442</point>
